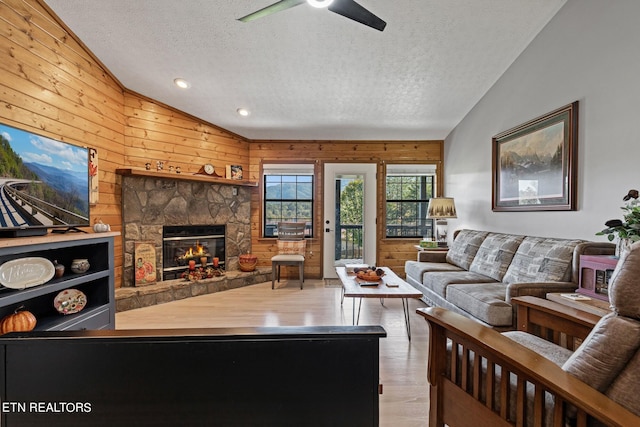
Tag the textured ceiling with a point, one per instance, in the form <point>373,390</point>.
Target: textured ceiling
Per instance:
<point>307,73</point>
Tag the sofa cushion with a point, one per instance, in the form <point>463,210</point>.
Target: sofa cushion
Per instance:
<point>549,350</point>
<point>484,301</point>
<point>626,388</point>
<point>605,351</point>
<point>540,259</point>
<point>416,269</point>
<point>438,281</point>
<point>623,286</point>
<point>495,255</point>
<point>625,301</point>
<point>464,247</point>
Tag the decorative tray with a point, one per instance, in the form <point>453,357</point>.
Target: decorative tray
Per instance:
<point>25,273</point>
<point>70,301</point>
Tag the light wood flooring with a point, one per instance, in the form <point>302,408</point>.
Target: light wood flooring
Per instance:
<point>403,363</point>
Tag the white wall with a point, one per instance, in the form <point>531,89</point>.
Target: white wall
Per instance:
<point>590,52</point>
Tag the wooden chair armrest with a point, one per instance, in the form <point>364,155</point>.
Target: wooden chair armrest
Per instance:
<point>470,337</point>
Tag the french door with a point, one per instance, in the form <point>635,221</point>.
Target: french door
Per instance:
<point>349,223</point>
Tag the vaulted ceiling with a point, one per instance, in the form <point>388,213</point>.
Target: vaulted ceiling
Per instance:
<point>307,73</point>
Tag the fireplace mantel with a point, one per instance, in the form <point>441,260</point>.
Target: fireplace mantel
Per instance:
<point>184,177</point>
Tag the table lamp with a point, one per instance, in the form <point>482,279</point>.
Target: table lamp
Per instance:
<point>440,209</point>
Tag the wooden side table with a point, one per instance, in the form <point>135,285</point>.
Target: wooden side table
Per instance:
<point>594,306</point>
<point>559,323</point>
<point>420,248</point>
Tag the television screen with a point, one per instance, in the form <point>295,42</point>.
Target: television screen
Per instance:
<point>44,183</point>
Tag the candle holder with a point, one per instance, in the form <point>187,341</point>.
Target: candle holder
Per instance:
<point>203,261</point>
<point>192,264</point>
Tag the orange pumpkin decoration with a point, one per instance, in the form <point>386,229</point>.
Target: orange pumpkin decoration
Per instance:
<point>19,321</point>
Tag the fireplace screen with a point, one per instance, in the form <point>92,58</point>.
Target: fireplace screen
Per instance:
<point>203,245</point>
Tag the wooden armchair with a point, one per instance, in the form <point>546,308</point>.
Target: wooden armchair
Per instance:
<point>479,377</point>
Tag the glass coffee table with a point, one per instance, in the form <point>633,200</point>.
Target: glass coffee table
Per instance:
<point>390,286</point>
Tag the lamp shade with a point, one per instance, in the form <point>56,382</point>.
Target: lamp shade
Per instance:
<point>441,207</point>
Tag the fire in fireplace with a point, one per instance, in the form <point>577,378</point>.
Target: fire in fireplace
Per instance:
<point>197,253</point>
<point>198,245</point>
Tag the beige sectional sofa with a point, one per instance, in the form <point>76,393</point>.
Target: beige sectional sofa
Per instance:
<point>483,270</point>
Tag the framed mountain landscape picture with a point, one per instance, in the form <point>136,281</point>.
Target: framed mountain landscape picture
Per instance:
<point>534,164</point>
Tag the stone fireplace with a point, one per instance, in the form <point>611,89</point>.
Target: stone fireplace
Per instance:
<point>151,203</point>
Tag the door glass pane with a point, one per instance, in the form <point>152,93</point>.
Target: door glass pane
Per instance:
<point>349,220</point>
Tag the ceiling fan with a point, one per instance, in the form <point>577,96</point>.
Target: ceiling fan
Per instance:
<point>347,8</point>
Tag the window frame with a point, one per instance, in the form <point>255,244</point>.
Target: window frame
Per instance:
<point>291,170</point>
<point>411,170</point>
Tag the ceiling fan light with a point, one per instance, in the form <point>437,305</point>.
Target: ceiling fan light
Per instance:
<point>320,3</point>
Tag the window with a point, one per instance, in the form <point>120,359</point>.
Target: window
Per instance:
<point>288,196</point>
<point>408,190</point>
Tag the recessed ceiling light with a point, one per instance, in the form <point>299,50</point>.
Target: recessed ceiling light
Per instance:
<point>243,112</point>
<point>182,83</point>
<point>320,3</point>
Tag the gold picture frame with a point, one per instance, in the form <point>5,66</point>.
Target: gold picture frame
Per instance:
<point>534,164</point>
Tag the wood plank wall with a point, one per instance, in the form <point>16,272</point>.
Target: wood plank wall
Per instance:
<point>156,132</point>
<point>52,85</point>
<point>391,252</point>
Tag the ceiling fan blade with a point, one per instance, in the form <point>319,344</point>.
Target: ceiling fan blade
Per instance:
<point>276,7</point>
<point>352,10</point>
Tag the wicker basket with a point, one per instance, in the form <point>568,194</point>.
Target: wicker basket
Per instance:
<point>247,262</point>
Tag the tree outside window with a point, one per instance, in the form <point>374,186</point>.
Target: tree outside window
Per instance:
<point>407,199</point>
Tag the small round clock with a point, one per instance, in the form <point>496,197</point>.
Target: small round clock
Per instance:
<point>208,170</point>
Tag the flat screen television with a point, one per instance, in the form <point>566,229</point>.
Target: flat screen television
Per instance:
<point>44,184</point>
